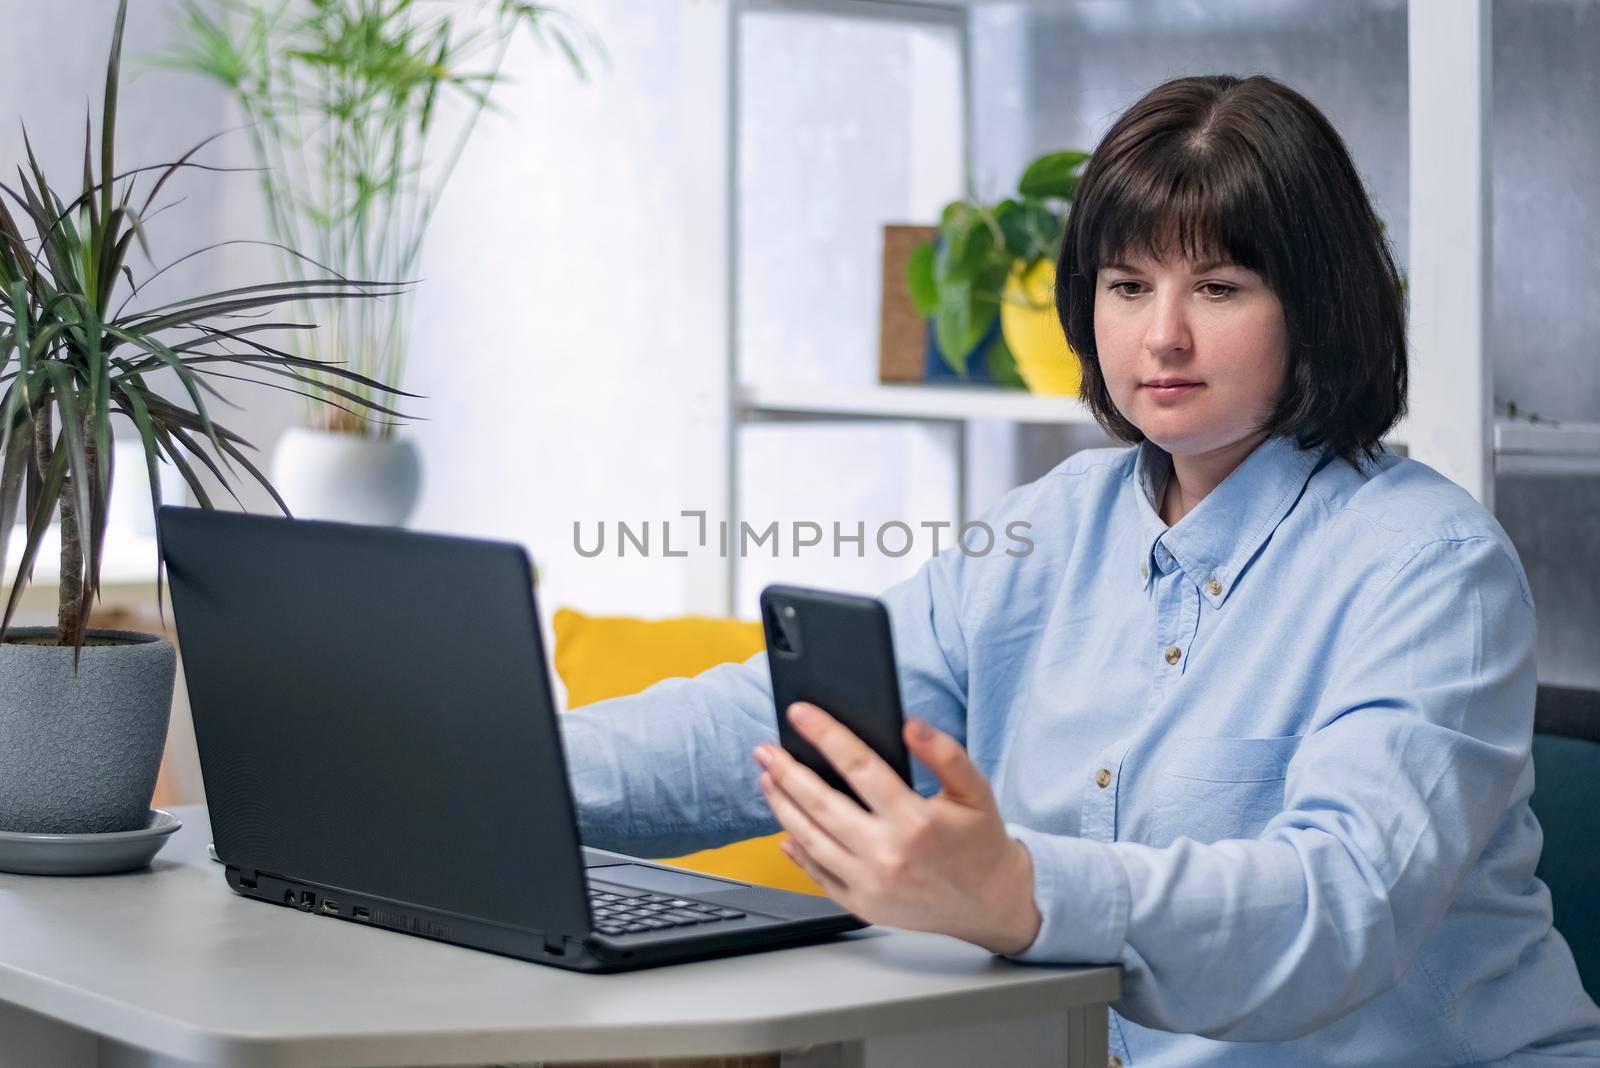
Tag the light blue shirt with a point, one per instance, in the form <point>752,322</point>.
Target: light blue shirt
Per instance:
<point>1273,760</point>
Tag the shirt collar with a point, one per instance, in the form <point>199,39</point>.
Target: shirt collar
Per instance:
<point>1216,541</point>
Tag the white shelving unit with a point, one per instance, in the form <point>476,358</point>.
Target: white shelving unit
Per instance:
<point>1452,381</point>
<point>129,556</point>
<point>1451,425</point>
<point>127,570</point>
<point>1522,448</point>
<point>128,564</point>
<point>947,403</point>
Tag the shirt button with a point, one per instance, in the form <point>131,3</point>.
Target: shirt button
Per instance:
<point>1102,778</point>
<point>1214,588</point>
<point>1174,654</point>
<point>1144,571</point>
<point>1113,1061</point>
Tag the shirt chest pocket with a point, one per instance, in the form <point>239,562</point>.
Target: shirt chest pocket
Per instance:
<point>1211,789</point>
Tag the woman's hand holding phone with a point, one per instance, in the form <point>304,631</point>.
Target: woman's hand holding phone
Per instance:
<point>943,864</point>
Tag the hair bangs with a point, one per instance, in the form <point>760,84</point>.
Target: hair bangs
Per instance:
<point>1177,202</point>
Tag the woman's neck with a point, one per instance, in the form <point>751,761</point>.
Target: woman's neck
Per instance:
<point>1193,477</point>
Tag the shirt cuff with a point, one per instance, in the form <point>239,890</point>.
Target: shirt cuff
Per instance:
<point>1083,896</point>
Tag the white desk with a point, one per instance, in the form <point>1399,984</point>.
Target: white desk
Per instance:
<point>167,967</point>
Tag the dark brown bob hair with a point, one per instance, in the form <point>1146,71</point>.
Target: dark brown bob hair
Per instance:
<point>1247,170</point>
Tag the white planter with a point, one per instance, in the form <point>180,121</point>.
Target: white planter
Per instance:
<point>347,478</point>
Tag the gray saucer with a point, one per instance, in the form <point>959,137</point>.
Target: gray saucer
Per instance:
<point>86,854</point>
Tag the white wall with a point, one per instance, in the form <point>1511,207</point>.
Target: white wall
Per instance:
<point>572,325</point>
<point>570,330</point>
<point>846,123</point>
<point>52,69</point>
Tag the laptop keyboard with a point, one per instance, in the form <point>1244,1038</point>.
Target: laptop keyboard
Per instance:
<point>634,913</point>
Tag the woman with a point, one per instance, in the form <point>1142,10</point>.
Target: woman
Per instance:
<point>1253,717</point>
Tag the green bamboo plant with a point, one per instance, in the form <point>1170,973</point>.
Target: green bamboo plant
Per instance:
<point>344,101</point>
<point>73,353</point>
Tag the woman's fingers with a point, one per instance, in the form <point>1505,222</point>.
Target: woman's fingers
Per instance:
<point>819,874</point>
<point>833,811</point>
<point>872,779</point>
<point>960,777</point>
<point>805,831</point>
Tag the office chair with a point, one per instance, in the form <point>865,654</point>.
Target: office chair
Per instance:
<point>1566,798</point>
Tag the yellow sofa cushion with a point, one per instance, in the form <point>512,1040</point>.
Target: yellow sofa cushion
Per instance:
<point>600,657</point>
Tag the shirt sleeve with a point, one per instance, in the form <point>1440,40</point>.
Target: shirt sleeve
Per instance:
<point>669,770</point>
<point>1414,752</point>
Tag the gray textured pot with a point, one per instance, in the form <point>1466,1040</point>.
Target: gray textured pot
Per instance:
<point>80,755</point>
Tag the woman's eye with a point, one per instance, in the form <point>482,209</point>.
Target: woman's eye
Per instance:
<point>1213,290</point>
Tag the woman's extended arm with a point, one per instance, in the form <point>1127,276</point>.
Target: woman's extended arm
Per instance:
<point>1422,737</point>
<point>668,770</point>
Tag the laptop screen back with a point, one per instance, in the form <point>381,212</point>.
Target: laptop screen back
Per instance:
<point>373,714</point>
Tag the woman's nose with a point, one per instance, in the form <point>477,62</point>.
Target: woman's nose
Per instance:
<point>1168,328</point>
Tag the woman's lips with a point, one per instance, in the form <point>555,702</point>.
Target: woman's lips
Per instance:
<point>1174,390</point>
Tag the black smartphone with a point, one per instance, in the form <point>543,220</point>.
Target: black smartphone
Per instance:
<point>835,650</point>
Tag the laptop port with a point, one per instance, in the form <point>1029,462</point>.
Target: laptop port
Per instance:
<point>360,913</point>
<point>330,907</point>
<point>308,900</point>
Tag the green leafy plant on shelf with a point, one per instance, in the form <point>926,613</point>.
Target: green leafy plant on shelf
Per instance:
<point>346,99</point>
<point>959,279</point>
<point>73,355</point>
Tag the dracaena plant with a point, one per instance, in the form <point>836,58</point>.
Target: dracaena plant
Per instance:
<point>76,350</point>
<point>345,101</point>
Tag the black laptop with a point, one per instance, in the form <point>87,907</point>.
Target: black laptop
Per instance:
<point>379,745</point>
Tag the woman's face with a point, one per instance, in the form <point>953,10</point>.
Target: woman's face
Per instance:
<point>1194,355</point>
